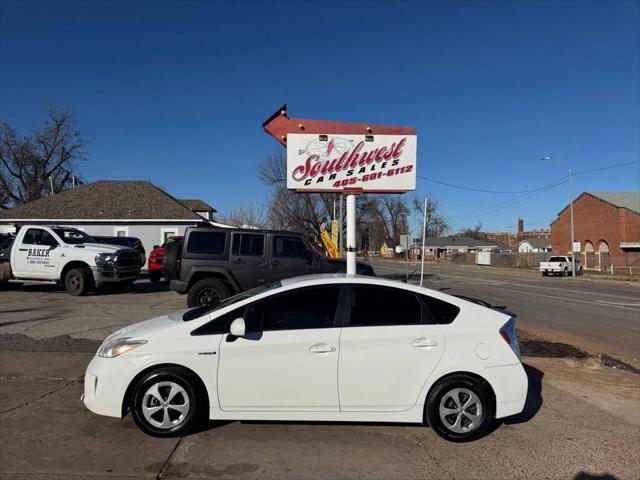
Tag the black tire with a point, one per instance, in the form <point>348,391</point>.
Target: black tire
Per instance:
<point>172,254</point>
<point>544,274</point>
<point>207,291</point>
<point>179,422</point>
<point>77,281</point>
<point>565,272</point>
<point>155,276</point>
<point>443,390</point>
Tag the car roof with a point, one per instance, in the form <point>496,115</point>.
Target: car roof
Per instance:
<point>334,278</point>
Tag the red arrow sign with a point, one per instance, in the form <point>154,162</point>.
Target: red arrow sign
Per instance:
<point>279,125</point>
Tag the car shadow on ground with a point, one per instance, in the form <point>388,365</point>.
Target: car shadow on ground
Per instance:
<point>589,476</point>
<point>140,286</point>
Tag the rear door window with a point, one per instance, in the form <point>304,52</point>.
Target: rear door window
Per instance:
<point>248,244</point>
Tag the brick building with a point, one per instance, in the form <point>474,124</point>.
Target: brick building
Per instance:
<point>607,225</point>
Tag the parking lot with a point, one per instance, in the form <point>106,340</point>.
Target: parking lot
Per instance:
<point>581,419</point>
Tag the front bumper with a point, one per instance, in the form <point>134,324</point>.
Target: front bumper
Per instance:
<point>105,384</point>
<point>105,275</point>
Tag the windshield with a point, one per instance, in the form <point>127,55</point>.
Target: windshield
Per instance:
<point>206,309</point>
<point>73,236</point>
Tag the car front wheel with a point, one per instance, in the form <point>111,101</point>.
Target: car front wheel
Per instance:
<point>460,408</point>
<point>165,403</point>
<point>77,281</point>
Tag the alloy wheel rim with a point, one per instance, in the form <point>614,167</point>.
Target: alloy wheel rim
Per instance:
<point>207,296</point>
<point>460,410</point>
<point>165,405</point>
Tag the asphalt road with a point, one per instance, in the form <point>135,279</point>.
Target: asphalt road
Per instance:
<point>601,317</point>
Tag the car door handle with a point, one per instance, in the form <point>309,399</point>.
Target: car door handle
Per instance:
<point>275,263</point>
<point>238,261</point>
<point>22,249</point>
<point>423,343</point>
<point>322,348</point>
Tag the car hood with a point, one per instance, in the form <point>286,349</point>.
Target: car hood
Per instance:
<point>102,247</point>
<point>149,328</point>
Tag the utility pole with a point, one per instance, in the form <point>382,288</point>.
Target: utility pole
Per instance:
<point>570,174</point>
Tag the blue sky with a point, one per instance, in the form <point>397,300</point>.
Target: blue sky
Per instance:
<point>176,92</point>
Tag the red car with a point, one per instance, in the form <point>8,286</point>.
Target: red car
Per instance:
<point>156,259</point>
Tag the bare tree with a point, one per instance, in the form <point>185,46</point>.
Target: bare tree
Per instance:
<point>289,210</point>
<point>49,156</point>
<point>437,225</point>
<point>473,232</point>
<point>246,216</point>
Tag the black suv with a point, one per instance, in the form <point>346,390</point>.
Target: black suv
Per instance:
<point>213,263</point>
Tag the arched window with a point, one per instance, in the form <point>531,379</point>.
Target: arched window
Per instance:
<point>588,246</point>
<point>604,247</point>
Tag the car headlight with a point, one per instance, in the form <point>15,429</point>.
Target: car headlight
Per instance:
<point>118,346</point>
<point>105,258</point>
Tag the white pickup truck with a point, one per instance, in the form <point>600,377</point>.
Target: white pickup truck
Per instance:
<point>69,256</point>
<point>559,265</point>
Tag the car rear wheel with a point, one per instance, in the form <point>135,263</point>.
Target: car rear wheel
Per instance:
<point>77,281</point>
<point>460,408</point>
<point>165,403</point>
<point>207,291</point>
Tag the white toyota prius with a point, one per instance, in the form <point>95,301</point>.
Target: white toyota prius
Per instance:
<point>316,348</point>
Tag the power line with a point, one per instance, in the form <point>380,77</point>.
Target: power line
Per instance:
<point>502,205</point>
<point>481,190</point>
<point>514,201</point>
<point>472,189</point>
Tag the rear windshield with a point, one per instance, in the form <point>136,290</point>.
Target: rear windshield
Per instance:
<point>558,259</point>
<point>210,243</point>
<point>206,309</point>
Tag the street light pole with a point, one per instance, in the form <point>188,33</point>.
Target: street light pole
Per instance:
<point>570,174</point>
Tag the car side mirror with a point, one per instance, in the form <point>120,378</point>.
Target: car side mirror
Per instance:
<point>238,327</point>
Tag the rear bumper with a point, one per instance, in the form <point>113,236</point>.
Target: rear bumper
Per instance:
<point>179,286</point>
<point>510,385</point>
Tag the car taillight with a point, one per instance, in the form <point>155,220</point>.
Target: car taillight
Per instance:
<point>508,333</point>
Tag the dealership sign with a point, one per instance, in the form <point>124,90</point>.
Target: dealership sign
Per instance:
<point>351,162</point>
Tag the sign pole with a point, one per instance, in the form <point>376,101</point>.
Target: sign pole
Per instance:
<point>424,233</point>
<point>340,222</point>
<point>351,234</point>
